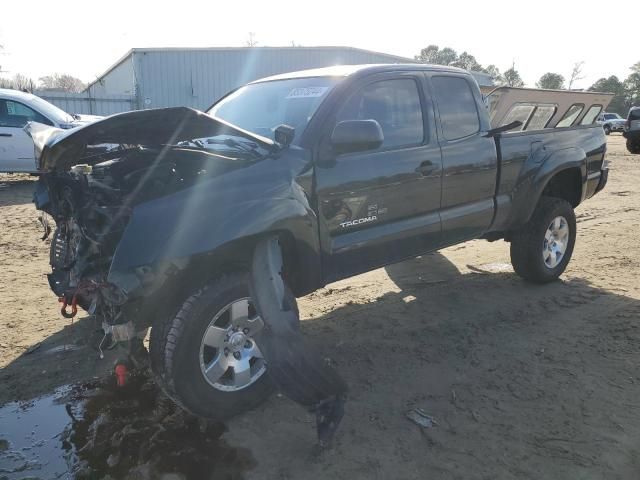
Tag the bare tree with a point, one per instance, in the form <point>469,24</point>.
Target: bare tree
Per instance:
<point>18,82</point>
<point>62,81</point>
<point>576,74</point>
<point>23,83</point>
<point>252,42</point>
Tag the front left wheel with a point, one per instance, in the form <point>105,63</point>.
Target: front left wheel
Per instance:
<point>205,357</point>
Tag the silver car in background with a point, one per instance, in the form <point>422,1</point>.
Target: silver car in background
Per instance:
<point>611,122</point>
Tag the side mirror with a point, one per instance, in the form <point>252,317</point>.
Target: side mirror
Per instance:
<point>356,136</point>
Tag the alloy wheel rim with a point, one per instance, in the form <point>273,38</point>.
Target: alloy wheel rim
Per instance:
<point>556,239</point>
<point>230,359</point>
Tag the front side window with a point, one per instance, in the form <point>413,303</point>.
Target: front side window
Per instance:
<point>570,116</point>
<point>591,115</point>
<point>541,117</point>
<point>395,105</point>
<point>16,114</point>
<point>457,106</point>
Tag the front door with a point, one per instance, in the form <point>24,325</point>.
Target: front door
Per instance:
<point>380,206</point>
<point>16,147</point>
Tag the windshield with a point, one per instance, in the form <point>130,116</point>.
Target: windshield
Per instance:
<point>51,111</point>
<point>261,107</point>
<point>611,116</point>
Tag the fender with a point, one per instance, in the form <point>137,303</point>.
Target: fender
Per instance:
<point>201,221</point>
<point>541,166</point>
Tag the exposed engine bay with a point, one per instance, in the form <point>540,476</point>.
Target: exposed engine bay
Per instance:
<point>92,204</point>
<point>95,176</point>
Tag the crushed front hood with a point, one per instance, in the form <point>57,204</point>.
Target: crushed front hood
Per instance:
<point>61,149</point>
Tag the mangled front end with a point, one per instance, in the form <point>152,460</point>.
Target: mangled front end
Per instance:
<point>141,165</point>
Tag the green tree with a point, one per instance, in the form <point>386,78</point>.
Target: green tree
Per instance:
<point>495,74</point>
<point>551,80</point>
<point>468,62</point>
<point>613,85</point>
<point>512,78</point>
<point>433,54</point>
<point>632,91</point>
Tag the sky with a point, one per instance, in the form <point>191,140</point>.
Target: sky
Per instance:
<point>84,38</point>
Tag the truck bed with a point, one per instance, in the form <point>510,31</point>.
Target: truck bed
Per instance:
<point>527,158</point>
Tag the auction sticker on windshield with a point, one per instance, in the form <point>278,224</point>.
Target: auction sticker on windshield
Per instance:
<point>307,92</point>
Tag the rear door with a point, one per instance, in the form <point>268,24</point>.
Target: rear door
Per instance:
<point>469,158</point>
<point>380,206</point>
<point>16,147</point>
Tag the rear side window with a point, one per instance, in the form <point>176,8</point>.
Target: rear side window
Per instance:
<point>570,116</point>
<point>519,113</point>
<point>541,117</point>
<point>457,107</point>
<point>395,105</point>
<point>16,114</point>
<point>591,115</point>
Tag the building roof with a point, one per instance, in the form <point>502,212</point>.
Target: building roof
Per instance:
<point>392,58</point>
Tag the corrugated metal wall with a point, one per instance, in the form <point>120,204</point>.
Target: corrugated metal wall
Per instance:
<point>90,105</point>
<point>197,78</point>
<point>119,81</point>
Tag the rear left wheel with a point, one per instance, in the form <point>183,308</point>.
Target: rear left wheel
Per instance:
<point>541,249</point>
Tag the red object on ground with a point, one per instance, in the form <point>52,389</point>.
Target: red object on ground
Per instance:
<point>121,375</point>
<point>74,306</point>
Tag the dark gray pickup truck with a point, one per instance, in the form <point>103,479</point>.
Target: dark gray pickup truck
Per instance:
<point>350,168</point>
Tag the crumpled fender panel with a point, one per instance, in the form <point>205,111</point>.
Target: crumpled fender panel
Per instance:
<point>263,197</point>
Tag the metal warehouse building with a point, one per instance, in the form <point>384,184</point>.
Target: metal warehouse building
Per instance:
<point>197,77</point>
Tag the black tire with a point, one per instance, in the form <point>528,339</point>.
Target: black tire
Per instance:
<point>175,354</point>
<point>607,130</point>
<point>633,146</point>
<point>527,243</point>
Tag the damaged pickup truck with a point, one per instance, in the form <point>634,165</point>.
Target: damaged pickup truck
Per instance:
<point>350,168</point>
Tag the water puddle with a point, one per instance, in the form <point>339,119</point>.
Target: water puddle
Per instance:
<point>100,431</point>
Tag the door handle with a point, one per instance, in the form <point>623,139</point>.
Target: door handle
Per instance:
<point>426,168</point>
<point>6,134</point>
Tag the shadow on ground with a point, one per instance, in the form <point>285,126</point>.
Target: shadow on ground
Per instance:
<point>524,381</point>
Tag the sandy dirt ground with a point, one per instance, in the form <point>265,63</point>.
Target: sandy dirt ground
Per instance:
<point>523,381</point>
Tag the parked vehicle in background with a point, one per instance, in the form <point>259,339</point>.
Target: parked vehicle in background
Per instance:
<point>351,168</point>
<point>16,109</point>
<point>632,130</point>
<point>611,122</point>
